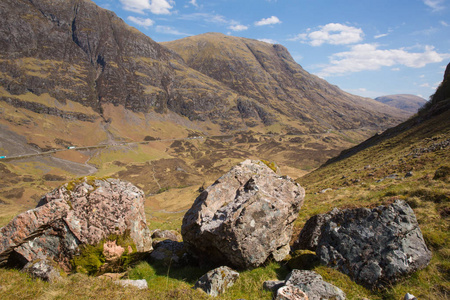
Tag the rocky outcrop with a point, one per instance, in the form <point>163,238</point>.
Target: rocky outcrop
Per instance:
<point>246,216</point>
<point>216,281</point>
<point>83,212</point>
<point>376,246</point>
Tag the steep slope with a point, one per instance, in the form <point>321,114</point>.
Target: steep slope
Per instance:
<point>432,117</point>
<point>408,162</point>
<point>410,103</point>
<point>276,85</point>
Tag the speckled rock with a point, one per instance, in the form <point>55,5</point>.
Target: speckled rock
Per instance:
<point>374,246</point>
<point>314,286</point>
<point>82,212</point>
<point>246,216</point>
<point>216,281</point>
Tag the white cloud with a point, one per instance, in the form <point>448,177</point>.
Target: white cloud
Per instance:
<point>169,30</point>
<point>364,57</point>
<point>443,23</point>
<point>380,35</point>
<point>332,33</point>
<point>395,69</point>
<point>158,7</point>
<point>435,5</point>
<point>211,18</point>
<point>269,41</point>
<point>425,85</point>
<point>268,21</point>
<point>141,21</point>
<point>238,27</point>
<point>194,3</point>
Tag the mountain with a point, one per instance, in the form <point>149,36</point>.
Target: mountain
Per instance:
<point>410,103</point>
<point>73,51</point>
<point>276,87</point>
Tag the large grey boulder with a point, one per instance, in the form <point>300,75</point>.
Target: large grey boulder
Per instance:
<point>376,246</point>
<point>290,292</point>
<point>216,281</point>
<point>83,212</point>
<point>246,216</point>
<point>310,233</point>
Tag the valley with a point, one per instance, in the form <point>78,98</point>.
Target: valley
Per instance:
<point>84,95</point>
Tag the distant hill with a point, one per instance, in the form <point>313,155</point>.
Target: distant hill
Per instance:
<point>410,103</point>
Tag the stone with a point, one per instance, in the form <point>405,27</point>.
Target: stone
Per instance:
<point>313,285</point>
<point>409,174</point>
<point>273,285</point>
<point>376,247</point>
<point>166,234</point>
<point>408,296</point>
<point>83,212</point>
<point>216,281</point>
<point>311,231</point>
<point>245,217</point>
<point>111,251</point>
<point>138,283</point>
<point>289,292</point>
<point>43,269</point>
<point>168,252</point>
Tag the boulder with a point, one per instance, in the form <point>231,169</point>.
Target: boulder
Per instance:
<point>313,285</point>
<point>309,236</point>
<point>84,212</point>
<point>290,292</point>
<point>243,218</point>
<point>216,281</point>
<point>375,247</point>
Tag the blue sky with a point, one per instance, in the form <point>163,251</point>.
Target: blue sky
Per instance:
<point>366,47</point>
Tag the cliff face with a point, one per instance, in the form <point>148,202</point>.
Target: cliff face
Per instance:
<point>73,50</point>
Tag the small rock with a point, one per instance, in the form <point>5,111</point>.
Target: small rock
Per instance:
<point>273,285</point>
<point>139,283</point>
<point>313,285</point>
<point>112,251</point>
<point>43,269</point>
<point>408,296</point>
<point>166,234</point>
<point>289,292</point>
<point>168,252</point>
<point>409,174</point>
<point>325,190</point>
<point>216,281</point>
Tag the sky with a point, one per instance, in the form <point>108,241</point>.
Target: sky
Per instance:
<point>369,48</point>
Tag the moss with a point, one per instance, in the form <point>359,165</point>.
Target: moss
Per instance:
<point>91,260</point>
<point>271,165</point>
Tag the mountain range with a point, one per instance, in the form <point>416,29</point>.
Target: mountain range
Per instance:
<point>77,61</point>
